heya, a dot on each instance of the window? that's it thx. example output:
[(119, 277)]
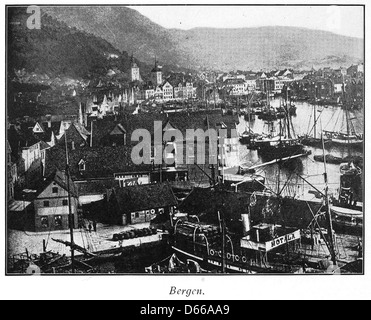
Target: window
[(55, 190), (64, 202), (44, 222), (58, 221), (137, 215), (46, 203)]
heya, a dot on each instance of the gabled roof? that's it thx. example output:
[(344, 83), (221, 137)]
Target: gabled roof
[(44, 145), (145, 197), (103, 128), (76, 133), (60, 178), (163, 84), (118, 130), (23, 138), (38, 128)]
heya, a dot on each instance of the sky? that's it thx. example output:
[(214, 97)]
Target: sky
[(344, 20)]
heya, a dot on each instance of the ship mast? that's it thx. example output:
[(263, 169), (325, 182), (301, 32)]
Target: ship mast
[(315, 122), (328, 210), (347, 118), (70, 216)]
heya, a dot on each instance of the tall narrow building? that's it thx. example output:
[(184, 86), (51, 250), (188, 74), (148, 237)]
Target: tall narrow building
[(134, 70), (156, 75)]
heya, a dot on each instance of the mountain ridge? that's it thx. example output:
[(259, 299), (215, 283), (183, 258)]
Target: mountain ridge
[(224, 49)]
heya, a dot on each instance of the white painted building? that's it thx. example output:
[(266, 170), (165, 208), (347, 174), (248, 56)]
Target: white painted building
[(168, 91)]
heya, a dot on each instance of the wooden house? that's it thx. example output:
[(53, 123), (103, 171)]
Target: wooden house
[(51, 204)]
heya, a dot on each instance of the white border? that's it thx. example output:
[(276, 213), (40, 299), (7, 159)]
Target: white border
[(130, 287)]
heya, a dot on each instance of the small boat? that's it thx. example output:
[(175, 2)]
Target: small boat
[(329, 158), (336, 160), (345, 139), (347, 221)]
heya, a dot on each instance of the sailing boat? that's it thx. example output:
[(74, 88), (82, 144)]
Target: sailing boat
[(268, 112), (281, 146), (248, 135), (312, 140), (350, 138)]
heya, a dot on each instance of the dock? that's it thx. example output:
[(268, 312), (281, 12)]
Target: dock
[(94, 242)]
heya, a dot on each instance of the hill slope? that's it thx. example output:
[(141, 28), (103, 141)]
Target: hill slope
[(245, 48), (126, 29), (268, 47), (57, 49)]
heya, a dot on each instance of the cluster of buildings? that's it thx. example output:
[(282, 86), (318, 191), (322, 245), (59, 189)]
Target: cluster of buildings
[(94, 141), (327, 85), (178, 87), (103, 183), (332, 85)]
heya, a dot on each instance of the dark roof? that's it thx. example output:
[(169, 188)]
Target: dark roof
[(97, 186), (99, 161), (145, 197), (102, 129), (250, 77), (19, 139), (44, 145), (207, 202), (181, 120), (76, 133), (234, 81)]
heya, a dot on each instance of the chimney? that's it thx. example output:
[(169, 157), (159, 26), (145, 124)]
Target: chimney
[(81, 118), (91, 135), (73, 145), (49, 120)]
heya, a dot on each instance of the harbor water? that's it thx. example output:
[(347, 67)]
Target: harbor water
[(330, 118)]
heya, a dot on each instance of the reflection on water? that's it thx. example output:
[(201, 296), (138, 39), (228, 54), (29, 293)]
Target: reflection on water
[(330, 118)]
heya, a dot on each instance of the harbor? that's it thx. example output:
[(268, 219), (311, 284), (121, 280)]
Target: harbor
[(155, 160), (301, 183)]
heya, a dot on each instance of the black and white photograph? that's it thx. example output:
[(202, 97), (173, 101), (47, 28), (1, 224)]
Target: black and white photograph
[(203, 140)]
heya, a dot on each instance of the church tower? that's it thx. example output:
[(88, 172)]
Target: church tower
[(134, 70), (156, 74)]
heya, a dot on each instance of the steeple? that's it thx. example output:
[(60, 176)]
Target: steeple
[(132, 62), (156, 67), (134, 70), (156, 74)]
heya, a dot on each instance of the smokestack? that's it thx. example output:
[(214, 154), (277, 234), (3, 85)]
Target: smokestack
[(245, 223)]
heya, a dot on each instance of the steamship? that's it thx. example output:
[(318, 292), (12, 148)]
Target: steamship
[(265, 248)]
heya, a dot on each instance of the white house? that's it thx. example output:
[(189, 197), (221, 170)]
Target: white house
[(167, 90)]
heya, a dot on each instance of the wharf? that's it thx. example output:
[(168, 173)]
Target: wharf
[(95, 242)]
